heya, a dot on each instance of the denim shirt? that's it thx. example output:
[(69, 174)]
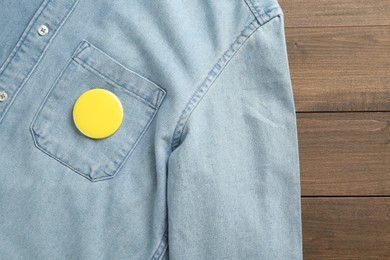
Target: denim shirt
[(205, 162)]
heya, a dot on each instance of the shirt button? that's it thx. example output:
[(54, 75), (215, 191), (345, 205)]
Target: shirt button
[(3, 95), (43, 30)]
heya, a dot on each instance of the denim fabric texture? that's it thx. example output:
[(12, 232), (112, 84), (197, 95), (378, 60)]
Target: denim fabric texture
[(205, 164)]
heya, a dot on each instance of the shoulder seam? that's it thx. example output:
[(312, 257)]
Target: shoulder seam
[(212, 75), (264, 13)]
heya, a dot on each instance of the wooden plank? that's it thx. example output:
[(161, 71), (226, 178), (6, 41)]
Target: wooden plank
[(346, 228), (344, 154), (303, 13), (340, 68)]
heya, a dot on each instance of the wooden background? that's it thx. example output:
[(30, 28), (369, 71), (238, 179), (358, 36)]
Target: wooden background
[(339, 55)]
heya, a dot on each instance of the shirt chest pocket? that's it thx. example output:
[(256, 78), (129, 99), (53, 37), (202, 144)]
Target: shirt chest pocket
[(53, 128)]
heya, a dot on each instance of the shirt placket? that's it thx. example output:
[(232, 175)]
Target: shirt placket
[(30, 48)]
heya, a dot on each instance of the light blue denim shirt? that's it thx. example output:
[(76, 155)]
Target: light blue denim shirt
[(205, 163)]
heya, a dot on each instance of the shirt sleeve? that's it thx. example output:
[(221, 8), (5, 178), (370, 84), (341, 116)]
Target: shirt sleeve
[(233, 188)]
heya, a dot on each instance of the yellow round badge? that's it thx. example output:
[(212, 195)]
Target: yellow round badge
[(98, 113)]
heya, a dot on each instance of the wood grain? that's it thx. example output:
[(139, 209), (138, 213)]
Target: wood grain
[(340, 68), (346, 228), (339, 57), (319, 13), (345, 154)]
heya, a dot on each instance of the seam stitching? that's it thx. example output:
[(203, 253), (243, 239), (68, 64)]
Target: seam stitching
[(86, 44), (210, 79), (254, 11), (162, 247), (40, 57), (23, 37), (113, 82), (263, 15)]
